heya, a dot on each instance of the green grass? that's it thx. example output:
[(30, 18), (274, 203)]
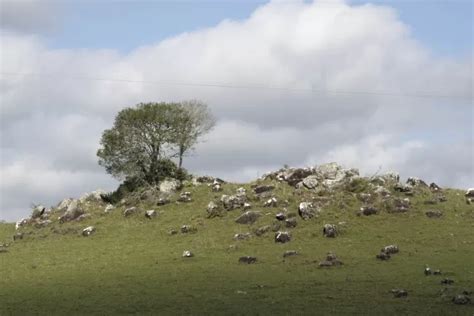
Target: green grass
[(133, 266)]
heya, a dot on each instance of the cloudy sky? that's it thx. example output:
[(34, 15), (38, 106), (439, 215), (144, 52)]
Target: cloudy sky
[(385, 85)]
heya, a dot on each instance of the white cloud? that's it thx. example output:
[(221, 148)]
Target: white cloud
[(56, 121)]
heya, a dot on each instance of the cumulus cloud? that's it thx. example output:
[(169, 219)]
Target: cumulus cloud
[(295, 83)]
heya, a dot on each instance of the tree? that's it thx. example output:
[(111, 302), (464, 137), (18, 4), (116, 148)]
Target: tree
[(143, 139), (194, 119)]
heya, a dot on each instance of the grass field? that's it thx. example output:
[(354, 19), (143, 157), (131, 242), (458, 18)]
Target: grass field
[(134, 266)]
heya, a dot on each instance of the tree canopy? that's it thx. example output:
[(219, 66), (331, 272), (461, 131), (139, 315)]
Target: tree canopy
[(144, 139)]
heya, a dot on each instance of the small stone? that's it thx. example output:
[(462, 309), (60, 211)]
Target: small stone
[(307, 210), (329, 230), (447, 281), (290, 253), (383, 256), (271, 202), (247, 259), (163, 201), (150, 214), (367, 211), (390, 249), (88, 231), (461, 299), (188, 229), (398, 293), (242, 236), (282, 237), (187, 254), (280, 216)]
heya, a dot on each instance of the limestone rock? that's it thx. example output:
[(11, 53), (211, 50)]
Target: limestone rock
[(398, 293), (310, 182), (461, 299), (249, 217), (291, 222), (109, 208)]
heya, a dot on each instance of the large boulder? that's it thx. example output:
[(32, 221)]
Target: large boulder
[(307, 210), (169, 186), (311, 182), (231, 202), (249, 217), (73, 211)]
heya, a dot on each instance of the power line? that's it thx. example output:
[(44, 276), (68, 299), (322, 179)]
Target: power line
[(250, 87)]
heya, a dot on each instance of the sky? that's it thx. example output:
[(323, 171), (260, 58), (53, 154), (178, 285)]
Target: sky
[(382, 86)]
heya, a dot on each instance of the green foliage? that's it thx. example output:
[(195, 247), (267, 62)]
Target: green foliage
[(144, 139)]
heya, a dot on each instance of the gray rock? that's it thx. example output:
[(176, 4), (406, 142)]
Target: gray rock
[(185, 197), (398, 293), (73, 211), (231, 202), (434, 213), (150, 214), (249, 217), (242, 236), (331, 260), (461, 299), (390, 249), (383, 256), (247, 259), (247, 206), (280, 216), (290, 253), (263, 188), (64, 204), (213, 210), (282, 237), (310, 182), (38, 211), (272, 202), (216, 187), (295, 175), (109, 208), (163, 201), (169, 186), (367, 211), (88, 231), (241, 191), (187, 254), (130, 211), (262, 230), (307, 210), (329, 230), (188, 229), (94, 196), (413, 181)]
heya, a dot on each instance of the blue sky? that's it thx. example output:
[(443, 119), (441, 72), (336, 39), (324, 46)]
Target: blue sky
[(443, 26)]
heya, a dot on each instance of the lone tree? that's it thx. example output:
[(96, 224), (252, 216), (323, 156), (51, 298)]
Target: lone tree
[(144, 139)]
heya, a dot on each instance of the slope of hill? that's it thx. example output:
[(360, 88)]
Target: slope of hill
[(135, 265)]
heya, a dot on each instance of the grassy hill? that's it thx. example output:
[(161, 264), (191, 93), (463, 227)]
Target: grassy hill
[(133, 265)]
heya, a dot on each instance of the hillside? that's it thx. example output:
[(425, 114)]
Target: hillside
[(131, 264)]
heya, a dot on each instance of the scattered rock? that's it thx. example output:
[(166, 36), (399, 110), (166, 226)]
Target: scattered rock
[(88, 231), (22, 222), (187, 254), (247, 206), (434, 213), (249, 217), (83, 217), (64, 204), (290, 253), (307, 210), (331, 260), (390, 249), (434, 187), (262, 230), (47, 222), (247, 259), (291, 222), (280, 216), (469, 193), (73, 211), (310, 182), (413, 181), (275, 226), (271, 202), (188, 229), (293, 176), (231, 202), (428, 271), (163, 201), (263, 188), (447, 281), (241, 191), (94, 196), (129, 211), (398, 205), (383, 256), (329, 230), (402, 188), (150, 214), (173, 232), (185, 197), (169, 186), (399, 293), (282, 237), (367, 211), (38, 211), (109, 208), (461, 299), (213, 210), (242, 236), (382, 191), (216, 187)]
